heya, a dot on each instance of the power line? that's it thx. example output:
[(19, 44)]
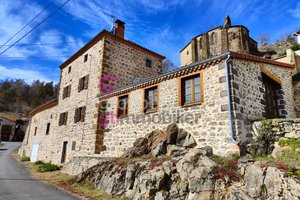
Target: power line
[(62, 5), (30, 57), (43, 44), (28, 23)]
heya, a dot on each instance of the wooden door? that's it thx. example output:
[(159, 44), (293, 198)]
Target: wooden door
[(64, 152), (271, 97)]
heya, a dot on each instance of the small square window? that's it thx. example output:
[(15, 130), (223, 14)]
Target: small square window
[(148, 63), (70, 69), (85, 57)]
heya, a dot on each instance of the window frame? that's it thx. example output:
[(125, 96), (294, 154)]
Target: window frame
[(148, 60), (79, 115), (118, 106), (150, 110), (48, 128), (85, 57), (67, 91), (63, 118), (181, 90), (83, 83), (35, 131)]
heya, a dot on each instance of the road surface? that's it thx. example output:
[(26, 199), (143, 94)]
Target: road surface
[(17, 184)]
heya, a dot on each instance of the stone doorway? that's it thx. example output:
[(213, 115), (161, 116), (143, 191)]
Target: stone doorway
[(271, 98), (64, 152)]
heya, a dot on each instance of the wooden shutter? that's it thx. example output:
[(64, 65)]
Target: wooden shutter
[(69, 90), (82, 114), (86, 81), (79, 84), (76, 115), (60, 119), (66, 118)]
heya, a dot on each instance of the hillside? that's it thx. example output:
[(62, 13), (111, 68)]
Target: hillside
[(278, 48), (17, 96)]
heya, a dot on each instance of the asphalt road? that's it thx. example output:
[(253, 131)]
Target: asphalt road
[(17, 184)]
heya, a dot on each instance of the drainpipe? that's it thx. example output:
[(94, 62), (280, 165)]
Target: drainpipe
[(229, 99)]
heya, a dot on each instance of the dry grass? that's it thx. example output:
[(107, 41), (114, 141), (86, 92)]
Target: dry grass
[(64, 181)]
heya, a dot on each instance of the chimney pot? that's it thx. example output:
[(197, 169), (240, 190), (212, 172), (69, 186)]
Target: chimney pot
[(120, 28)]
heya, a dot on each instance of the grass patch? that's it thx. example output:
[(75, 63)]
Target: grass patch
[(46, 167), (1, 144), (89, 190), (292, 142), (64, 181), (25, 159)]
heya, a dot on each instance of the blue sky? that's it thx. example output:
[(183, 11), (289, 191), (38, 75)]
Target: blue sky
[(163, 26)]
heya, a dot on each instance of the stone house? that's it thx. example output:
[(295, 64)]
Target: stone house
[(12, 126), (216, 96)]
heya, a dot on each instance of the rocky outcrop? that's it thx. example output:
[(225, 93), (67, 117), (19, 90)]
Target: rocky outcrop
[(157, 142), (166, 165), (192, 176)]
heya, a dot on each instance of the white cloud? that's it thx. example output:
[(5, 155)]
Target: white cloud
[(296, 11), (17, 73)]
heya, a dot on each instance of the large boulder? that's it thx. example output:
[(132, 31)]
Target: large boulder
[(185, 139), (140, 148), (155, 138)]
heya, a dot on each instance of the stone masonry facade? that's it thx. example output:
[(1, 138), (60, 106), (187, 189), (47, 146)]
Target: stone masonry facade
[(216, 41), (208, 122), (108, 54), (130, 69)]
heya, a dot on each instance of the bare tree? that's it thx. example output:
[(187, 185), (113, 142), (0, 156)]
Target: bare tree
[(263, 39), (168, 66)]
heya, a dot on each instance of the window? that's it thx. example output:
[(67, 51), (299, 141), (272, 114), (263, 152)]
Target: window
[(151, 99), (85, 58), (63, 117), (79, 114), (35, 130), (48, 129), (148, 63), (70, 69), (191, 90), (66, 91), (122, 106), (83, 83)]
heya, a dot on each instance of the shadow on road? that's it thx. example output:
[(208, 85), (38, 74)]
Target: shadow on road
[(3, 149)]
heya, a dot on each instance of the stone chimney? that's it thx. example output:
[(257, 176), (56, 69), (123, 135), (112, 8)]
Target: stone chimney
[(120, 28)]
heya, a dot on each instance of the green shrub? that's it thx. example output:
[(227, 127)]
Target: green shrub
[(39, 162), (292, 142), (1, 144), (295, 47), (25, 159), (47, 167)]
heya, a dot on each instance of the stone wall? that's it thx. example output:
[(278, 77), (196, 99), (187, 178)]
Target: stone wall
[(248, 94), (217, 41), (297, 97), (208, 122), (107, 56)]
